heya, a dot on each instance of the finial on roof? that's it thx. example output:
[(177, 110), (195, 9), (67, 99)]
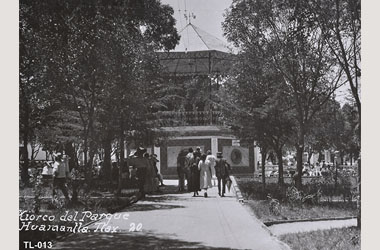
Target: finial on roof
[(189, 16)]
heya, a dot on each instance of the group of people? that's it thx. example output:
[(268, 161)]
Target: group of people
[(144, 169), (197, 168), (200, 169)]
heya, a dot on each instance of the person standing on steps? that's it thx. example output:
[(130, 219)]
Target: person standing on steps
[(204, 167), (222, 169)]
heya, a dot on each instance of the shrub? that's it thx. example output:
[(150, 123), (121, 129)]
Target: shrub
[(254, 190), (345, 187), (274, 206), (293, 196), (36, 181), (296, 197)]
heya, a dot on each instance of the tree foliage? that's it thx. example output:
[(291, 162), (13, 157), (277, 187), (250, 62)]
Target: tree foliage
[(285, 32), (257, 107), (91, 67)]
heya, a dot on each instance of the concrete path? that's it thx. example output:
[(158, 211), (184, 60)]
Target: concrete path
[(297, 227), (179, 221)]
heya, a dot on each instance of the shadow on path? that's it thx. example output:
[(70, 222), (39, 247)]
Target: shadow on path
[(127, 240), (148, 207)]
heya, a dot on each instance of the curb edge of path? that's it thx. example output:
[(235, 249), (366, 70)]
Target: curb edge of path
[(240, 198), (272, 223), (236, 188)]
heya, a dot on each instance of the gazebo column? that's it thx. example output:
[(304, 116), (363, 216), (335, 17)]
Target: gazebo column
[(214, 145)]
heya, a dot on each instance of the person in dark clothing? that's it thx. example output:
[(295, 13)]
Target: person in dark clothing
[(195, 173), (140, 163), (198, 153), (189, 159), (181, 161), (222, 169)]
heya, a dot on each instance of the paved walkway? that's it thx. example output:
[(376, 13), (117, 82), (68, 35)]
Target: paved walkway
[(179, 221)]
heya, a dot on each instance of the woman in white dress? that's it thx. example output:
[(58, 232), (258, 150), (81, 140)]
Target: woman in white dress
[(205, 174), (212, 159)]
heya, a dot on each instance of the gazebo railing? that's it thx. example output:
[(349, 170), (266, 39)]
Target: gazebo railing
[(189, 118)]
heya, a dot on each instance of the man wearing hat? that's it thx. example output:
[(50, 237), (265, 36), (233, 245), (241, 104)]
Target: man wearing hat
[(60, 172), (141, 164), (222, 173)]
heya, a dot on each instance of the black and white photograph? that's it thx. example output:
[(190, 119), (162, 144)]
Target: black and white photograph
[(189, 124)]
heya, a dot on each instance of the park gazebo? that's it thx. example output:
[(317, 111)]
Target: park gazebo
[(199, 55)]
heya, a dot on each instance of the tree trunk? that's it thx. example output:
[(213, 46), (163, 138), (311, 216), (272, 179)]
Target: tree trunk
[(85, 160), (121, 142), (24, 127), (298, 178), (263, 157), (350, 159), (336, 177), (107, 159), (70, 151), (25, 156), (280, 167), (91, 162)]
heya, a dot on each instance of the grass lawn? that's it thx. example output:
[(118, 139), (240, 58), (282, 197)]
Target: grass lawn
[(251, 189), (261, 210), (337, 239)]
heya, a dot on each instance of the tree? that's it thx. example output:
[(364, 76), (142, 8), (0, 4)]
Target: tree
[(340, 21), (285, 31), (98, 59), (326, 129), (351, 132), (257, 108), (36, 97)]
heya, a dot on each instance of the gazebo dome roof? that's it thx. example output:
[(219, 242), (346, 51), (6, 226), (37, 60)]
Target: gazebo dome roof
[(198, 53), (195, 39)]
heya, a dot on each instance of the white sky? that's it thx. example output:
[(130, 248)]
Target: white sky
[(209, 14)]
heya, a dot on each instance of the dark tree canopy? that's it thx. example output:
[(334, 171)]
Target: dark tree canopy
[(89, 67)]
